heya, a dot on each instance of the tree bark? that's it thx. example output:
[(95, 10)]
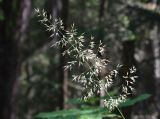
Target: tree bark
[(21, 36), (9, 58), (128, 62), (24, 19), (101, 37), (64, 73), (155, 37), (59, 9), (12, 33)]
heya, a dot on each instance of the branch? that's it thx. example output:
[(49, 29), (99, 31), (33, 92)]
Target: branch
[(149, 8)]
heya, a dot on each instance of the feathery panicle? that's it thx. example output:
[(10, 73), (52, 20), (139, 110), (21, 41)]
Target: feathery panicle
[(87, 58)]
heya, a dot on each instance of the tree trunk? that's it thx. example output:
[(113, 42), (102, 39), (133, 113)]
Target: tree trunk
[(59, 9), (12, 35), (101, 37), (155, 37), (21, 35), (64, 73), (128, 62), (101, 9), (24, 19), (9, 63)]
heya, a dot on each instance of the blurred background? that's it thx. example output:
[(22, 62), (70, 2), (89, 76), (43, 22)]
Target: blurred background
[(32, 79)]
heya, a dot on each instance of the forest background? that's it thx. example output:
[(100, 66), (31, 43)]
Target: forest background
[(32, 78)]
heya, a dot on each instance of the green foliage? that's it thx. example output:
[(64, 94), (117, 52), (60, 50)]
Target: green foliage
[(130, 102), (89, 113), (72, 114)]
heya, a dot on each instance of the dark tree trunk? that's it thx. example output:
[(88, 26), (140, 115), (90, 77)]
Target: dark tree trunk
[(101, 37), (64, 73), (100, 20), (155, 37), (21, 35), (128, 53), (8, 58), (59, 9), (101, 8), (12, 34), (128, 61), (24, 19)]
